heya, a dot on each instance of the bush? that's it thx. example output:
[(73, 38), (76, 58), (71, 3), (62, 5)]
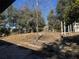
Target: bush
[(4, 31)]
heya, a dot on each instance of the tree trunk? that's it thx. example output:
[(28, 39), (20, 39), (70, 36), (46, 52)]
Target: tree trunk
[(61, 28), (64, 28), (73, 27), (68, 28)]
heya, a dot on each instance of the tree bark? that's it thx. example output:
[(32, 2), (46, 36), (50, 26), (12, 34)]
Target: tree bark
[(61, 28), (64, 28), (68, 28)]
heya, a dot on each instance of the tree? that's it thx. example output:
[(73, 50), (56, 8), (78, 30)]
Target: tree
[(10, 16), (32, 24), (60, 10), (41, 22), (24, 15), (28, 20), (64, 8), (2, 17), (53, 22), (72, 12), (12, 13)]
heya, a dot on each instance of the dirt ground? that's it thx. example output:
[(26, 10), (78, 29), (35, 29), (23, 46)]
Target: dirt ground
[(30, 39)]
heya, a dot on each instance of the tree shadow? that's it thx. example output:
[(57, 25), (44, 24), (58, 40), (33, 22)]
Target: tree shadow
[(53, 50), (71, 39), (12, 51)]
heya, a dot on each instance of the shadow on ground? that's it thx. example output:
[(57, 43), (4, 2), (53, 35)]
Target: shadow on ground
[(12, 51), (49, 51)]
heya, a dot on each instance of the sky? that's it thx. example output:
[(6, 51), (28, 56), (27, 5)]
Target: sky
[(44, 5)]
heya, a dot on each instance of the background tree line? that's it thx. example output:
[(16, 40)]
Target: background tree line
[(67, 12), (24, 19), (27, 19)]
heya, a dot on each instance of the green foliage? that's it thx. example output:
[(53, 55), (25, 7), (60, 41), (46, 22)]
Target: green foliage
[(39, 20), (68, 10), (2, 17), (28, 19), (11, 14), (72, 13), (60, 8), (53, 22), (23, 17)]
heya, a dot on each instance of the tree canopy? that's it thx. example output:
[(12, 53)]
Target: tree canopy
[(68, 10)]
